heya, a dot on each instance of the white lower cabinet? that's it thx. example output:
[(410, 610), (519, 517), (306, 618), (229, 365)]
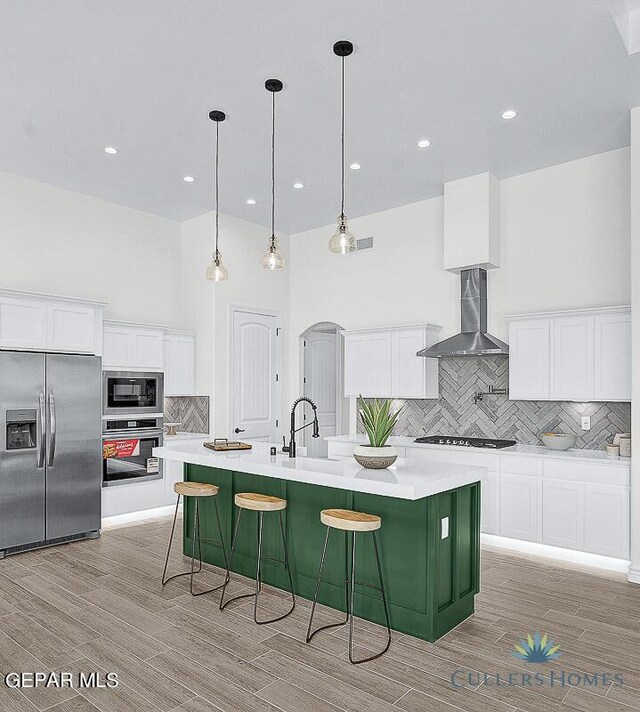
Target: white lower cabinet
[(574, 503), (563, 514), (520, 506), (173, 472), (490, 503), (606, 520)]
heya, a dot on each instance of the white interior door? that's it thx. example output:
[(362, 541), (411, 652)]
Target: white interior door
[(321, 374), (254, 376)]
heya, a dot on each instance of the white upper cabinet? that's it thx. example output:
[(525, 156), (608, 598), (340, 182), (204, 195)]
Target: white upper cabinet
[(367, 358), (382, 362), (135, 347), (179, 363), (572, 359), (47, 323), (613, 356), (529, 360), (582, 355)]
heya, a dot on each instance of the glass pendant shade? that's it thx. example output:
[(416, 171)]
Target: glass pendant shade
[(273, 258), (342, 241), (216, 271)]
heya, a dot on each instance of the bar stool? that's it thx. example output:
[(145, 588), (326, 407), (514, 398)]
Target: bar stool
[(195, 490), (259, 503), (354, 522)]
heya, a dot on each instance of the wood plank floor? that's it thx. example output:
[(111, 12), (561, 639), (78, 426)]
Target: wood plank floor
[(97, 606)]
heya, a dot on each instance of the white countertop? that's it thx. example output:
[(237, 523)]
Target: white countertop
[(575, 454), (406, 479)]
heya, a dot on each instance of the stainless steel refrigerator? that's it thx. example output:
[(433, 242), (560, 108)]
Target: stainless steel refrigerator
[(50, 449)]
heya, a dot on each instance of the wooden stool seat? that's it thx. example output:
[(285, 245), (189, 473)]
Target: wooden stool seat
[(195, 489), (350, 521), (259, 502)]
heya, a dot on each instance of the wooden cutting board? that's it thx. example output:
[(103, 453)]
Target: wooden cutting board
[(224, 445)]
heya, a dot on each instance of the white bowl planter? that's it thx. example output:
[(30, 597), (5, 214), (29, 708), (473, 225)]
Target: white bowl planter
[(375, 458)]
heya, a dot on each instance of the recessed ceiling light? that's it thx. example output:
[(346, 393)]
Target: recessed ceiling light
[(251, 201), (189, 179), (355, 166), (111, 150), (298, 186), (424, 143), (509, 114)]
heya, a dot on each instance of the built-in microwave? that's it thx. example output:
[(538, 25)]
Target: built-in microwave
[(131, 393)]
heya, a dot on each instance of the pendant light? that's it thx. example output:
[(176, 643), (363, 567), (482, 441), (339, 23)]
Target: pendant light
[(342, 241), (273, 259), (216, 271)]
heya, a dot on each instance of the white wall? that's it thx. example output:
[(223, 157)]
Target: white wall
[(564, 244), (60, 242), (205, 305)]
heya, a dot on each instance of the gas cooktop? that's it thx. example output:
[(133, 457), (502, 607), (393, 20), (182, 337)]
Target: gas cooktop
[(465, 442)]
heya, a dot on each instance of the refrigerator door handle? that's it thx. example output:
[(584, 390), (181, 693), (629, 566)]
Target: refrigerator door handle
[(52, 429), (40, 426)]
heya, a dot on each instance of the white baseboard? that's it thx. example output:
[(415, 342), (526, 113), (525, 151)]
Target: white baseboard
[(120, 520), (633, 575), (555, 552)]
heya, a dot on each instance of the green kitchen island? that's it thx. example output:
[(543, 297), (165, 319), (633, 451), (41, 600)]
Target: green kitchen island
[(429, 540)]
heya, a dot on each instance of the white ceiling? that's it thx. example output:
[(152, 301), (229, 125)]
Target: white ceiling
[(142, 75)]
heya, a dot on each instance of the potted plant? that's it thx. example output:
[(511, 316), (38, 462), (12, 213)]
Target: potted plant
[(378, 421)]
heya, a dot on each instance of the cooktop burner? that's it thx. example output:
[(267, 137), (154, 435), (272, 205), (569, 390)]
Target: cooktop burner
[(465, 442)]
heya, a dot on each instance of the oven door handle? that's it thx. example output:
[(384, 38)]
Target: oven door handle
[(131, 434)]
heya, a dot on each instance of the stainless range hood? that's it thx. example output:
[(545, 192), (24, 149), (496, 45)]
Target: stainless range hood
[(473, 339)]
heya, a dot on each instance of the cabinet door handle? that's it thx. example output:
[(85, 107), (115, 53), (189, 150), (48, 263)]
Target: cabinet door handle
[(238, 430)]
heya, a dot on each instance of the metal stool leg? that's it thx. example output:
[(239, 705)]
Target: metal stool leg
[(384, 601), (166, 580), (223, 603), (196, 526), (311, 633), (258, 586), (197, 539)]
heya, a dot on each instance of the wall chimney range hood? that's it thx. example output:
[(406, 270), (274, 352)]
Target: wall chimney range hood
[(473, 339)]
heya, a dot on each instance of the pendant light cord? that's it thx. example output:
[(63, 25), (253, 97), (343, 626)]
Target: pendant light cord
[(216, 182), (273, 168), (342, 144)]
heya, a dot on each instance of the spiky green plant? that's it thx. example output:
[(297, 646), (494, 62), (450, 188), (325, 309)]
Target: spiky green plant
[(378, 420)]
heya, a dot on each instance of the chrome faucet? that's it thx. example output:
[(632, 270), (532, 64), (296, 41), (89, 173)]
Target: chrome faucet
[(291, 448)]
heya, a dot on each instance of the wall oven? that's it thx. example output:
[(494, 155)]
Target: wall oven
[(127, 446), (130, 392)]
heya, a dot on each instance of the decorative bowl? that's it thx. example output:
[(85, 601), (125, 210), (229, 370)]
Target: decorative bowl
[(558, 441), (375, 458)]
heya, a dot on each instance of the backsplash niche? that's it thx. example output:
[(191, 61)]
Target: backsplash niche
[(191, 411)]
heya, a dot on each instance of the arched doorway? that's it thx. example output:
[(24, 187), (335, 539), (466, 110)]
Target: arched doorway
[(321, 350)]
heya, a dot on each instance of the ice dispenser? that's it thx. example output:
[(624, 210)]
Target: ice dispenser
[(21, 429)]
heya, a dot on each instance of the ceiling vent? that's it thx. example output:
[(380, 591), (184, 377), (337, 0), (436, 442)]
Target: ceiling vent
[(364, 243)]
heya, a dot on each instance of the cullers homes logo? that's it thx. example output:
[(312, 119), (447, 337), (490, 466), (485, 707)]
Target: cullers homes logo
[(536, 648)]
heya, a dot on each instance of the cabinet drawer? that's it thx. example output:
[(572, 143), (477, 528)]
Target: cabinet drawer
[(520, 465), (586, 472), (474, 459)]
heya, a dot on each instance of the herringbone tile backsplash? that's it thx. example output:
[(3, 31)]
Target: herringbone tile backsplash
[(191, 411), (498, 417)]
